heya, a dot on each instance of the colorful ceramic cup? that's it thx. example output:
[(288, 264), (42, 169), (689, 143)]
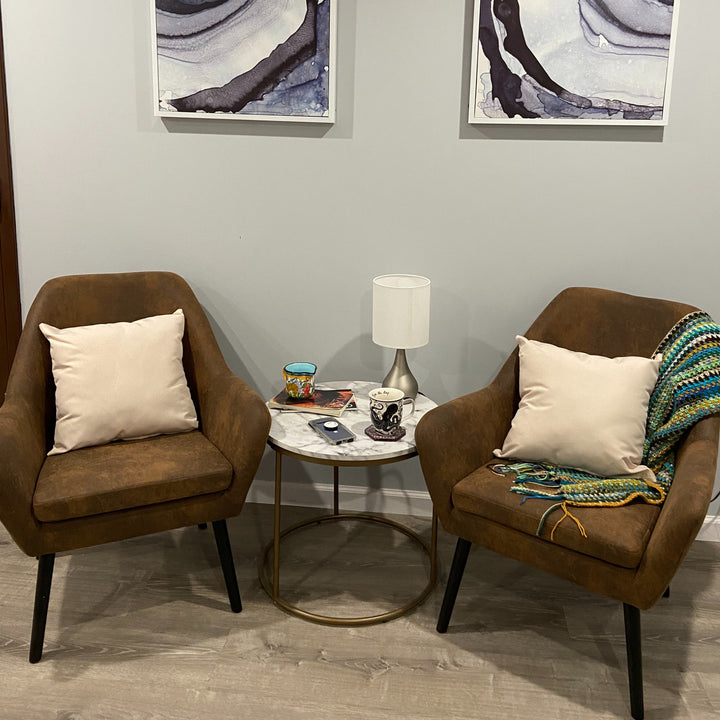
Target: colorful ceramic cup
[(300, 379)]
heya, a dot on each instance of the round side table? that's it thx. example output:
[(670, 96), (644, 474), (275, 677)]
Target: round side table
[(291, 436)]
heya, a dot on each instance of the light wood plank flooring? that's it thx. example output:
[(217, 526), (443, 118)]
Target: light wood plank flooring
[(141, 630)]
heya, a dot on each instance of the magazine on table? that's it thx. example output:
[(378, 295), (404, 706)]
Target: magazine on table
[(321, 402)]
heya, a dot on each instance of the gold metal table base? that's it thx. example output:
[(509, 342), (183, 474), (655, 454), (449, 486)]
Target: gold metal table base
[(272, 588), (348, 621)]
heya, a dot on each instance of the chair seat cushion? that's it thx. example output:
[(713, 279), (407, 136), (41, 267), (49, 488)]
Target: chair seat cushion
[(616, 535), (129, 474)]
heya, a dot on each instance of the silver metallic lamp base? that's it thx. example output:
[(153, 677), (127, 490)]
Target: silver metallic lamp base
[(400, 376)]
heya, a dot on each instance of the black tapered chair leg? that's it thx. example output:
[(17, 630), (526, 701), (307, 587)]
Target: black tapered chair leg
[(462, 549), (42, 600), (222, 540), (634, 660)]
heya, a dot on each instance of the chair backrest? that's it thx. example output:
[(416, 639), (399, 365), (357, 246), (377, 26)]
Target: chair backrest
[(597, 322), (105, 298), (605, 322)]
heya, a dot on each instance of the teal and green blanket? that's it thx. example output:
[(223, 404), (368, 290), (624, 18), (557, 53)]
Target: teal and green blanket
[(687, 390)]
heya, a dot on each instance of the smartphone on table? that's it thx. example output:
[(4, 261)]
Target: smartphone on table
[(332, 430)]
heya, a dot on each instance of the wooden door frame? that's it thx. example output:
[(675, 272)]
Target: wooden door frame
[(9, 277)]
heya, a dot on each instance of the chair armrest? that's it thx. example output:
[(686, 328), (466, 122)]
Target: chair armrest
[(459, 436), (236, 420), (22, 453), (683, 511)]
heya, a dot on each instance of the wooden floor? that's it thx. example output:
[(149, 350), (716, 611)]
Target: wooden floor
[(142, 630)]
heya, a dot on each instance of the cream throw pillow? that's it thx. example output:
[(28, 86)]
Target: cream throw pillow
[(119, 380), (581, 411)]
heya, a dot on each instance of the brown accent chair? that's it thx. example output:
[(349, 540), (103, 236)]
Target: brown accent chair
[(124, 489), (631, 552)]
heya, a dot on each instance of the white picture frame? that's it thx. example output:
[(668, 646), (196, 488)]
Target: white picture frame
[(572, 62), (270, 60)]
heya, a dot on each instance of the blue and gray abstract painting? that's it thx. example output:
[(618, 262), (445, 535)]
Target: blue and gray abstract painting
[(244, 57), (584, 60)]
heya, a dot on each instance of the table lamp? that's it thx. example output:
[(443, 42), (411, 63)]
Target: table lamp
[(401, 320)]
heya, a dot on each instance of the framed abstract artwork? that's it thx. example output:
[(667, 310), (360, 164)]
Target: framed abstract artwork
[(580, 62), (245, 59)]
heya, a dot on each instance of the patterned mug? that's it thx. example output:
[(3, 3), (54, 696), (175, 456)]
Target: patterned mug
[(299, 379), (386, 408)]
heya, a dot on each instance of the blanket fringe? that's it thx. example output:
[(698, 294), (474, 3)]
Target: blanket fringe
[(568, 514)]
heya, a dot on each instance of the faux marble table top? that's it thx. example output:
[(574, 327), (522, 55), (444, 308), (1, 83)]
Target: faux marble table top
[(290, 430)]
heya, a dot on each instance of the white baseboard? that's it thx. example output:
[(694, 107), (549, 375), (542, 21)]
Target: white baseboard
[(385, 501), (710, 531)]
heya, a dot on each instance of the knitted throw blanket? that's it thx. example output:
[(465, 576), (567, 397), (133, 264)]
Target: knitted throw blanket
[(687, 390)]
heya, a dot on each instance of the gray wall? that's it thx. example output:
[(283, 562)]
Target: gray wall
[(280, 228)]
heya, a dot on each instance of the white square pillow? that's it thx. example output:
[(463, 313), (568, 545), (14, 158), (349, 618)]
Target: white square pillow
[(581, 411), (119, 380)]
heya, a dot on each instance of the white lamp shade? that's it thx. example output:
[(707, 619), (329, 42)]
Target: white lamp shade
[(401, 311)]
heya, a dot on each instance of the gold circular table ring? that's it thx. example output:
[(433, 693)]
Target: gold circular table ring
[(344, 621)]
